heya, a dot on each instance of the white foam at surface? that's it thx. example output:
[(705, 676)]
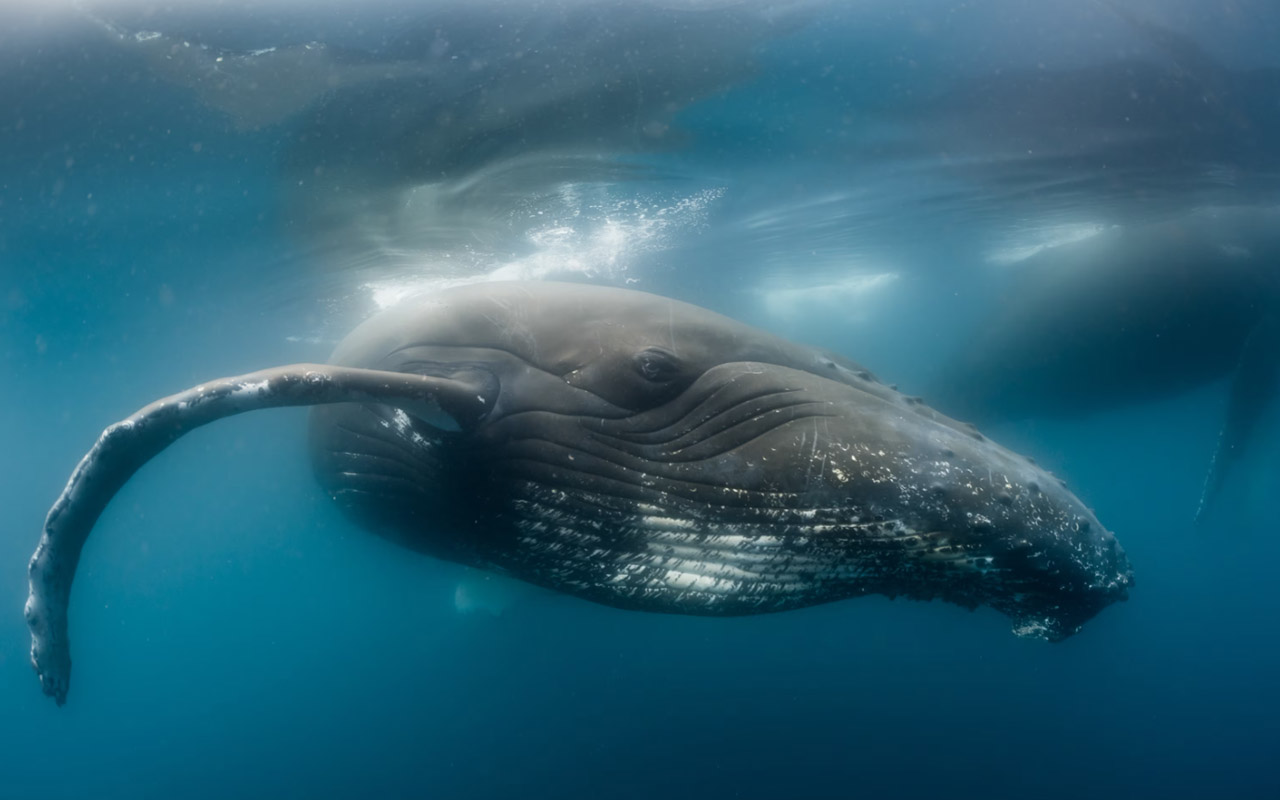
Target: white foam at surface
[(588, 240)]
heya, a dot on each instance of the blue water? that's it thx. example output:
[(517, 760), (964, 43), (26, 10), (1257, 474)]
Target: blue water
[(843, 174)]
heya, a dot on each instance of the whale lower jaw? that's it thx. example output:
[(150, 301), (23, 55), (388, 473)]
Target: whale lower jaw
[(735, 560)]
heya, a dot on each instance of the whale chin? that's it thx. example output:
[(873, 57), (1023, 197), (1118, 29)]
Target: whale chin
[(1058, 618)]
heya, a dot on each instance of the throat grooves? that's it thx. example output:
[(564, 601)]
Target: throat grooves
[(686, 558)]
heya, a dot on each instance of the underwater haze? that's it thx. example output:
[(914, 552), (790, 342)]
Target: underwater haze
[(193, 190)]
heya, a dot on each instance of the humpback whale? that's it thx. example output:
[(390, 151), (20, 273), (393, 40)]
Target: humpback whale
[(1130, 315), (638, 452)]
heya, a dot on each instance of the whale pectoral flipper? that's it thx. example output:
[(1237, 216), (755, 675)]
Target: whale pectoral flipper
[(124, 447), (1253, 388)]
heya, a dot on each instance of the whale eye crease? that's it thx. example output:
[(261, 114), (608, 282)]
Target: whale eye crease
[(657, 365)]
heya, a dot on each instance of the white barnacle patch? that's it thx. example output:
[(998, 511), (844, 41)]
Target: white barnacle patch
[(252, 387), (247, 393), (1031, 629)]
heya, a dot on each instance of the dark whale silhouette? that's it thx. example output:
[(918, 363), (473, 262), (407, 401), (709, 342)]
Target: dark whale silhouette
[(639, 452), (1128, 316)]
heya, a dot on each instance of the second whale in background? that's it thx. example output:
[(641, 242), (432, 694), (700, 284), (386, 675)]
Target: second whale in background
[(1131, 315)]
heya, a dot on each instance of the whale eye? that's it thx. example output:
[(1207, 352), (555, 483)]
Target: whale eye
[(657, 365)]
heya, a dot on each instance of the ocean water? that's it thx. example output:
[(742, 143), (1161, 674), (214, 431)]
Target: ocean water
[(196, 190)]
